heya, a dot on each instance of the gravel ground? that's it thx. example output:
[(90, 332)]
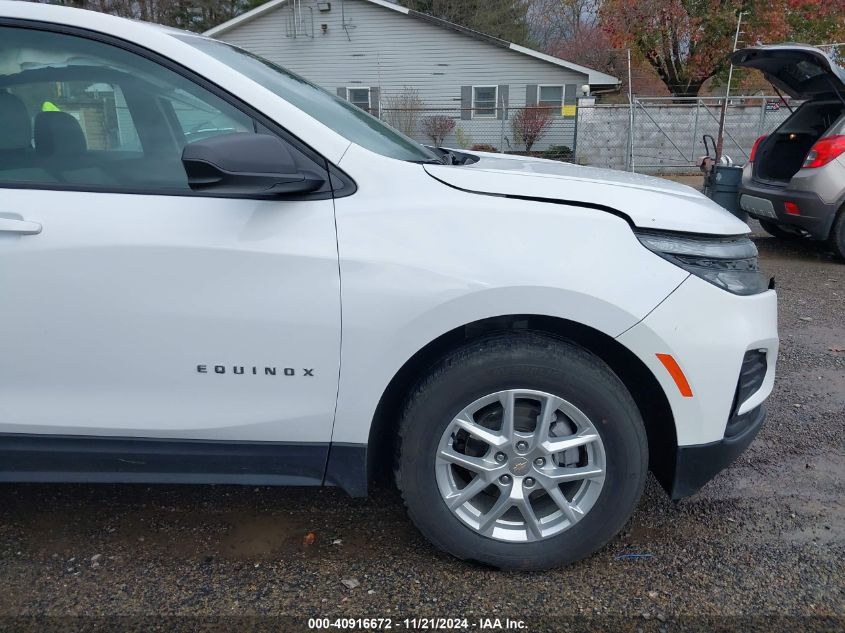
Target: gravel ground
[(762, 547)]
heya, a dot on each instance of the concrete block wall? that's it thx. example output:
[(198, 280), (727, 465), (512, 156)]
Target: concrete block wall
[(668, 137)]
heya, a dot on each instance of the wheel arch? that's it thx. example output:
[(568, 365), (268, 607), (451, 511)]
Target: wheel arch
[(837, 221), (637, 377)]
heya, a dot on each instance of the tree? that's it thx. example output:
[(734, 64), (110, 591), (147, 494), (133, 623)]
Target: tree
[(813, 21), (505, 19), (591, 47), (571, 30), (688, 41), (194, 15), (554, 21), (530, 125), (436, 127)]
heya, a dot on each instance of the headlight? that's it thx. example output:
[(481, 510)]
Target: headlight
[(728, 262)]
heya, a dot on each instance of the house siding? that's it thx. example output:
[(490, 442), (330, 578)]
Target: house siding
[(390, 50)]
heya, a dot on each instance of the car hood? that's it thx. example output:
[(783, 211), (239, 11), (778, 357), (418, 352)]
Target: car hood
[(801, 71), (648, 202)]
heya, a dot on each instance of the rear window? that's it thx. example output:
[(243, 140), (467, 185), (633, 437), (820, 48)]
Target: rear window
[(802, 71)]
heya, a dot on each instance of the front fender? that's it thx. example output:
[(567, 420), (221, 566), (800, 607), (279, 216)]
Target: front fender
[(419, 258)]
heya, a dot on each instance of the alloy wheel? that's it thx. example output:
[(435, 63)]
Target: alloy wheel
[(520, 465)]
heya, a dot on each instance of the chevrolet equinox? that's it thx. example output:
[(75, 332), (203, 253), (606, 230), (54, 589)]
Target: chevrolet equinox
[(213, 271)]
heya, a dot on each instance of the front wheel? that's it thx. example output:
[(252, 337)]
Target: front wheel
[(521, 451)]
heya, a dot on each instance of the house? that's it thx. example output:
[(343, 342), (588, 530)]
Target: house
[(405, 67)]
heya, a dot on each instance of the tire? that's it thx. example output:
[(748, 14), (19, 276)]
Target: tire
[(836, 240), (585, 394), (776, 230)]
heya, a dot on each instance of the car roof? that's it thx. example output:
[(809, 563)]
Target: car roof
[(91, 20)]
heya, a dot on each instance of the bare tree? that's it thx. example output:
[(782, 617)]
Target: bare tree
[(436, 127), (505, 19), (195, 15), (530, 125), (402, 110), (552, 21)]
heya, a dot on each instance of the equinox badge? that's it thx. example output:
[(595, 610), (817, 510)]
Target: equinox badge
[(242, 370)]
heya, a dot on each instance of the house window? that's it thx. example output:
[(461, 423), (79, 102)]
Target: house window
[(484, 101), (551, 97), (360, 97)]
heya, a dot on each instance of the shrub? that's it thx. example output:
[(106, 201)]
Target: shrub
[(483, 147), (558, 152), (462, 138), (402, 110), (530, 125), (436, 127)]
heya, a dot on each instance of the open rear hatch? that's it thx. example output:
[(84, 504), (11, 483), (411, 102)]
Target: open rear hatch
[(801, 71), (804, 73)]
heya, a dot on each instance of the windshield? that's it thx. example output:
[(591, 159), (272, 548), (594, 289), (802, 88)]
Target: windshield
[(341, 116)]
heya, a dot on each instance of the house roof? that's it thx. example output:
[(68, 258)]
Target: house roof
[(595, 78)]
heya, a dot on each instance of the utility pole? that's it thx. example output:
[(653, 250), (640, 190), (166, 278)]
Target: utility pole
[(630, 116), (721, 138)]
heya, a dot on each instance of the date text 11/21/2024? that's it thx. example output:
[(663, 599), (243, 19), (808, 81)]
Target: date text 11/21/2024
[(418, 624)]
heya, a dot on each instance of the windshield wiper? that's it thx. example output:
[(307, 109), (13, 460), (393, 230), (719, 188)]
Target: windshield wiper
[(455, 158)]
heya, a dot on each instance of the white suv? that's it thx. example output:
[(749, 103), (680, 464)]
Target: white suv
[(212, 271)]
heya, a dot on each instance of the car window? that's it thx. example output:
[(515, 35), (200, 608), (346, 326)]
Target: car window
[(198, 119), (83, 113), (98, 107), (340, 115)]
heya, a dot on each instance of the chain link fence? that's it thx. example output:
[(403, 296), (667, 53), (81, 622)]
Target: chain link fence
[(666, 135), (657, 135), (536, 131)]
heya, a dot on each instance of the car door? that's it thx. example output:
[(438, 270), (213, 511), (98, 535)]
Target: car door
[(134, 307)]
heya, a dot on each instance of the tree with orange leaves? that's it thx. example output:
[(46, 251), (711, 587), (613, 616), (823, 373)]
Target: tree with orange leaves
[(688, 41)]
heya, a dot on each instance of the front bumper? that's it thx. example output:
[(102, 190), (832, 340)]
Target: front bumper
[(696, 465), (718, 340), (816, 216)]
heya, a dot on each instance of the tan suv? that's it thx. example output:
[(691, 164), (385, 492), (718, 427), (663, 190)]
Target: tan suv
[(794, 182)]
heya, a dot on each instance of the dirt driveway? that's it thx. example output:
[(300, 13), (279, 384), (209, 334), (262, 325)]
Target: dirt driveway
[(762, 547)]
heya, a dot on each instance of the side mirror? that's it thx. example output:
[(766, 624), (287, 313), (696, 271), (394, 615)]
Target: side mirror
[(246, 164)]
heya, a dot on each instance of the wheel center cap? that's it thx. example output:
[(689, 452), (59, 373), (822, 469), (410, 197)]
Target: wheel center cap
[(520, 466)]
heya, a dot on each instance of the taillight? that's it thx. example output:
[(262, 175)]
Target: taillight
[(754, 148), (824, 151)]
